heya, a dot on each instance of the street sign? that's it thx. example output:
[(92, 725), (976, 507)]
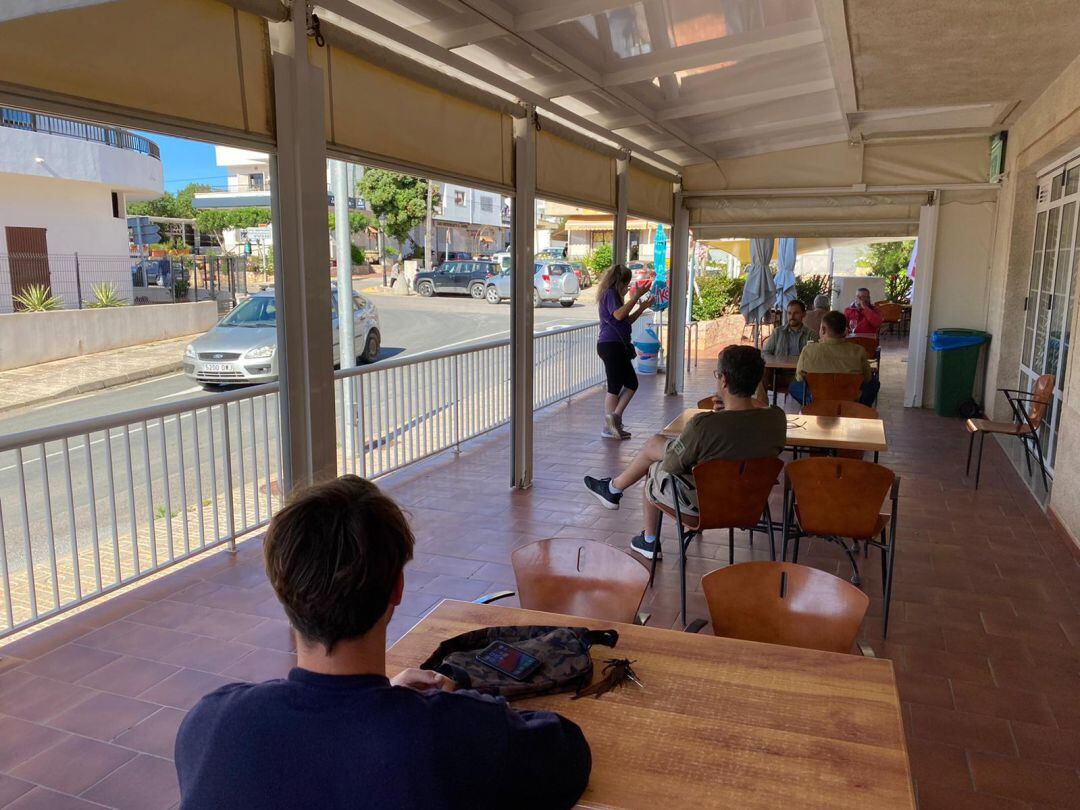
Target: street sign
[(143, 231)]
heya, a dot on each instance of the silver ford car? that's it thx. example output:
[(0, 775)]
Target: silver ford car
[(242, 348)]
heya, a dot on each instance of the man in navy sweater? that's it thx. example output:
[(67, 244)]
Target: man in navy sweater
[(337, 733)]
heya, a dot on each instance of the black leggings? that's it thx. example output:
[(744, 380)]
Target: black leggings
[(618, 365)]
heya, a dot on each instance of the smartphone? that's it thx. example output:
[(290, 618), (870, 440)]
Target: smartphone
[(510, 661)]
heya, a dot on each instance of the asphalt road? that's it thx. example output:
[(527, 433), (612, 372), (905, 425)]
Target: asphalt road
[(141, 455)]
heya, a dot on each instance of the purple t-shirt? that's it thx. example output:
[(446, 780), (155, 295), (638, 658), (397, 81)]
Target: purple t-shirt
[(612, 330)]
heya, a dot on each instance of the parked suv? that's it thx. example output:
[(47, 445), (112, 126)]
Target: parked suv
[(242, 348), (552, 281), (460, 278)]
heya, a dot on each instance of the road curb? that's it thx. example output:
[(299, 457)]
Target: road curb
[(96, 385)]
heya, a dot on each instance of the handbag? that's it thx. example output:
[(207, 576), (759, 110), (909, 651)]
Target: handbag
[(563, 652)]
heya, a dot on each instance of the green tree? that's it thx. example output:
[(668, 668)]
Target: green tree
[(179, 205), (601, 259), (215, 221), (357, 222), (401, 198), (890, 260)]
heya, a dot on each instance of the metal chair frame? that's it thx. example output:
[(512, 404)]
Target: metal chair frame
[(1017, 399), (886, 543)]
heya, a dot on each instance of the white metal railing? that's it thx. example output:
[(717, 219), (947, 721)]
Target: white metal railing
[(396, 412), (90, 506)]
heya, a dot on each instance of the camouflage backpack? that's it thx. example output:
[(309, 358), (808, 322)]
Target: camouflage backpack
[(565, 664)]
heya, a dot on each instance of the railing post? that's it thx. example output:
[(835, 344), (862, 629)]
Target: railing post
[(230, 518), (78, 281), (455, 393)]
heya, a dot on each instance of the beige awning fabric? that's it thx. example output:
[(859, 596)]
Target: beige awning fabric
[(569, 169), (957, 160), (127, 60), (381, 115), (650, 193), (632, 224)]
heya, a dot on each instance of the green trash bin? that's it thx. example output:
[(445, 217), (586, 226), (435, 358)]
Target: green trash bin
[(958, 361)]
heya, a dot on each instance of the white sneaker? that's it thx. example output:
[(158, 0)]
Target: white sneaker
[(611, 428)]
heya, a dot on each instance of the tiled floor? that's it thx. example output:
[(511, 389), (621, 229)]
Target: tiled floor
[(985, 633)]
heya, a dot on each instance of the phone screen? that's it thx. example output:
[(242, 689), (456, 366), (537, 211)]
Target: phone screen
[(508, 660)]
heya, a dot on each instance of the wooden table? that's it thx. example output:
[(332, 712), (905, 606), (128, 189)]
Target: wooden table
[(779, 362), (821, 432), (721, 723)]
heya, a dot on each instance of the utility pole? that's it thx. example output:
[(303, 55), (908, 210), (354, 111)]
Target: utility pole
[(428, 237), (343, 247)]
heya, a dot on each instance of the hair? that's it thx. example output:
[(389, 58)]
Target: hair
[(821, 302), (864, 289), (798, 303), (614, 277), (835, 323), (334, 555), (742, 367)]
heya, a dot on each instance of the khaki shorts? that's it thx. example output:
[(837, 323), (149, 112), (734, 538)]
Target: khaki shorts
[(660, 488)]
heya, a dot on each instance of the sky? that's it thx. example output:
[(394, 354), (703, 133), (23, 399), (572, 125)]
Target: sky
[(186, 162)]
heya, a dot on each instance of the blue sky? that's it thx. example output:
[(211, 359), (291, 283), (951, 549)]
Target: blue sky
[(187, 162)]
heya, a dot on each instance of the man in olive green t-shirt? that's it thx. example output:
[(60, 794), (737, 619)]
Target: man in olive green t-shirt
[(740, 431), (834, 354)]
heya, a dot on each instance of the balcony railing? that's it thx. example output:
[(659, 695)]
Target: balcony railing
[(89, 507), (70, 128)]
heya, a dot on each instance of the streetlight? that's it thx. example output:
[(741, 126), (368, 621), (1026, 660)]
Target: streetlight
[(382, 249)]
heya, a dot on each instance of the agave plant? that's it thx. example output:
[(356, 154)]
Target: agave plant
[(37, 298), (105, 295)]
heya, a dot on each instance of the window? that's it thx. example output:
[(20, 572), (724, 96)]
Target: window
[(459, 198), (487, 204), (116, 206), (255, 181)]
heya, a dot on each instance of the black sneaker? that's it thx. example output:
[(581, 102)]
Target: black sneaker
[(599, 487), (648, 550)]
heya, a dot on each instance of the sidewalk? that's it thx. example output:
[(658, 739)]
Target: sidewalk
[(33, 385)]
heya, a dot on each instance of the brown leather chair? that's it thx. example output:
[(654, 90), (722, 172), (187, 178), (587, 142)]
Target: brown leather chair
[(731, 495), (850, 410), (838, 498), (578, 578), (1029, 413), (834, 386), (784, 603)]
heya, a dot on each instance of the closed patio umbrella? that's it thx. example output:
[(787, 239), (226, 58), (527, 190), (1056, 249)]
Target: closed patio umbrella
[(759, 293), (785, 275)]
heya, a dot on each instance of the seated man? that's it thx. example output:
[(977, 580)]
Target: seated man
[(740, 431), (787, 340), (834, 355), (863, 317), (812, 321), (336, 733)]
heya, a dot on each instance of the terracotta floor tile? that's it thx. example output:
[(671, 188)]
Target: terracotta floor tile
[(261, 665), (74, 765), (103, 716), (70, 662), (44, 799), (183, 689), (1026, 780), (969, 731), (1047, 744), (144, 783), (939, 797), (155, 735), (208, 654), (128, 676), (38, 699), (20, 740), (939, 764), (1011, 704), (12, 788), (928, 690), (271, 635)]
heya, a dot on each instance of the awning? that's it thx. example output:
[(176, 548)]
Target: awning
[(650, 194), (607, 225), (571, 168)]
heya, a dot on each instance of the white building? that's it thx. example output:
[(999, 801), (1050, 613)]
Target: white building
[(64, 188), (468, 219)]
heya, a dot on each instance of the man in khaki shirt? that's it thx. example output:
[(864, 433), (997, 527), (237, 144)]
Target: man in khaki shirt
[(740, 431), (832, 354)]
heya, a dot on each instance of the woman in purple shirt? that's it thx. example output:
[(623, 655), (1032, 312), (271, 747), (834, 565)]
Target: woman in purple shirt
[(614, 346)]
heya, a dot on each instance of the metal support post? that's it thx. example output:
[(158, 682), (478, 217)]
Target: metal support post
[(301, 256), (622, 198), (521, 306), (679, 288), (78, 281)]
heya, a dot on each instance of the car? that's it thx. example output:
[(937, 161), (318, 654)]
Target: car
[(460, 278), (505, 260), (242, 348), (552, 281), (641, 275), (584, 277)]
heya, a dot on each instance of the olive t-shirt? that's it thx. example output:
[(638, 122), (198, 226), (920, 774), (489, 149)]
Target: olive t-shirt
[(729, 435)]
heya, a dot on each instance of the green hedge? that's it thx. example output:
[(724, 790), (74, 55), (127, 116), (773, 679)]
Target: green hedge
[(716, 296)]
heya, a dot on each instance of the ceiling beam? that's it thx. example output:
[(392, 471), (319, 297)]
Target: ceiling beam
[(382, 27), (833, 21), (730, 133), (734, 48), (549, 14)]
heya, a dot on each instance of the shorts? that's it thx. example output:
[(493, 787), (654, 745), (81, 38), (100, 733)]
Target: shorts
[(618, 366), (660, 488)]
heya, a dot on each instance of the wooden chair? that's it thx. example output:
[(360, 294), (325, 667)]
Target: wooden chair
[(871, 347), (850, 410), (838, 498), (1025, 424), (578, 578), (890, 314), (834, 386), (731, 495), (784, 603)]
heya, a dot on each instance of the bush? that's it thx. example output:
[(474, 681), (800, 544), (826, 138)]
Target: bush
[(357, 254), (37, 298), (600, 260), (716, 296), (807, 288), (105, 296)]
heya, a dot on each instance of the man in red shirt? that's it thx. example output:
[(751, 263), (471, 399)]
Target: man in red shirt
[(863, 317)]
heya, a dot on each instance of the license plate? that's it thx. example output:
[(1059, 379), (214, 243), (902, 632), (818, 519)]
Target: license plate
[(217, 367)]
